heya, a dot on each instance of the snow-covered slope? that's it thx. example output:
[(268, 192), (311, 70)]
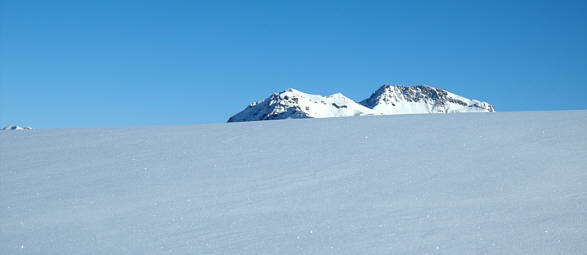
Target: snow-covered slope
[(391, 99), (294, 104), (502, 183)]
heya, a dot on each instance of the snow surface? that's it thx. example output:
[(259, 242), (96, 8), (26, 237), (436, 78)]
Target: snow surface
[(387, 100), (486, 183)]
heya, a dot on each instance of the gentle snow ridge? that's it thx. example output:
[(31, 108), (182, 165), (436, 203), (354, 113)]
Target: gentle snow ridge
[(502, 183), (387, 100)]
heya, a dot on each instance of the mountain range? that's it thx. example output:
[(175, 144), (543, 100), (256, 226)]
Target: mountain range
[(16, 128), (387, 100)]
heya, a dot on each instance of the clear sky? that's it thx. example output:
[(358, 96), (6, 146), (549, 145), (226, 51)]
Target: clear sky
[(126, 63)]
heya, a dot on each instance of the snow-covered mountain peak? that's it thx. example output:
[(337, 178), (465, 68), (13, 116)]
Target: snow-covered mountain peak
[(292, 90), (341, 97), (16, 128), (294, 104), (388, 99), (396, 99), (337, 95)]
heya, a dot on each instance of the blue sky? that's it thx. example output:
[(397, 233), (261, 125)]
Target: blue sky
[(126, 63)]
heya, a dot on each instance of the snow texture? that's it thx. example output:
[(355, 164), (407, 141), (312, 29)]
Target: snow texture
[(485, 183), (387, 100)]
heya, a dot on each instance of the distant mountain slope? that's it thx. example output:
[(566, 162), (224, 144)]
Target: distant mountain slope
[(391, 99), (503, 183), (294, 104), (16, 128)]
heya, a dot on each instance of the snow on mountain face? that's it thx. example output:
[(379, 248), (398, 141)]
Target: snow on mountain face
[(16, 128), (294, 104), (421, 99)]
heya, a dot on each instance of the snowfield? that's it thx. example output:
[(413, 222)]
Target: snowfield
[(471, 183)]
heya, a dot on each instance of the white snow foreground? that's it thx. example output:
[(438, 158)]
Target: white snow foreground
[(503, 183), (387, 100)]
